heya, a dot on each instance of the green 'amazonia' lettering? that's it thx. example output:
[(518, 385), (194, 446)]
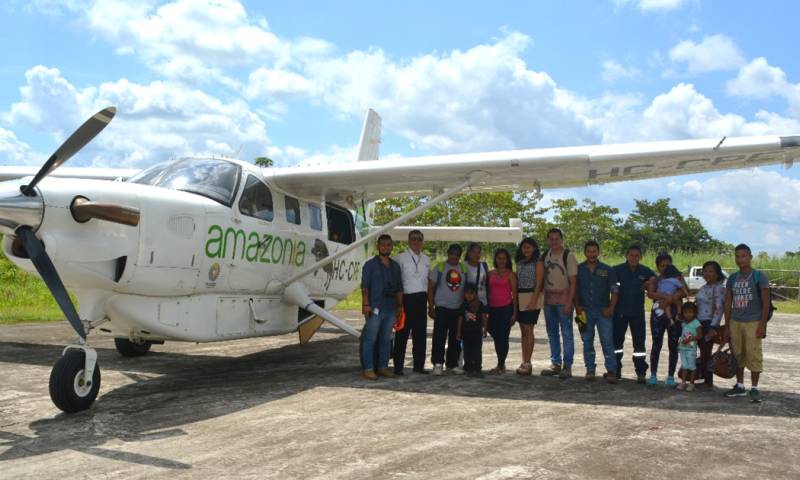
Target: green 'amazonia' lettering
[(231, 243)]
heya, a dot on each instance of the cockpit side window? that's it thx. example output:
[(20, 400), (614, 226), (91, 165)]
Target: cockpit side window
[(292, 210), (256, 200)]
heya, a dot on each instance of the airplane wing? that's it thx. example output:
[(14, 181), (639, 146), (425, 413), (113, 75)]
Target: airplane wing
[(90, 173), (533, 169)]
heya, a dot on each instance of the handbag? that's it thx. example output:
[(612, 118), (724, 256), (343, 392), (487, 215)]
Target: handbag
[(723, 363), (525, 298)]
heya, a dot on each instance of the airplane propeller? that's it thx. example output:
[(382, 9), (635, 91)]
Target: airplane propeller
[(82, 136), (23, 217), (47, 270)]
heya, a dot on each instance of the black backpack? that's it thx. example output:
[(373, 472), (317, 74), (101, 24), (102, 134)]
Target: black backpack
[(564, 256)]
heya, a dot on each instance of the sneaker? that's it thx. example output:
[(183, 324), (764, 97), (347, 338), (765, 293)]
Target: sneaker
[(755, 395), (736, 391), (386, 372), (438, 369), (681, 387), (653, 380), (590, 376), (566, 373), (690, 387), (552, 371), (421, 371), (640, 379), (399, 372), (610, 377), (369, 375), (456, 370), (670, 382), (475, 374)]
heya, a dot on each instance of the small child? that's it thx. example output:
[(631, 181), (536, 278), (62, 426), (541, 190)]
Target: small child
[(668, 283), (472, 325), (687, 346)]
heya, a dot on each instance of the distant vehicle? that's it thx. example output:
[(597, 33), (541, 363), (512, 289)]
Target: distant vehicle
[(695, 280)]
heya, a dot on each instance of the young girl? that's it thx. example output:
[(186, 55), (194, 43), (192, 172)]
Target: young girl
[(687, 347), (472, 324), (530, 276), (502, 306)]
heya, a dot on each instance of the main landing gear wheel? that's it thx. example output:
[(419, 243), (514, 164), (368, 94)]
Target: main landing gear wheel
[(68, 389), (127, 348)]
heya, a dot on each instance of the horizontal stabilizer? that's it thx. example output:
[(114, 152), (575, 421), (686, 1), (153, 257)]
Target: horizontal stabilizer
[(510, 234)]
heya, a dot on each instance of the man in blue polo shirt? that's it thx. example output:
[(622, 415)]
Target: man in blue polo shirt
[(634, 280), (597, 298)]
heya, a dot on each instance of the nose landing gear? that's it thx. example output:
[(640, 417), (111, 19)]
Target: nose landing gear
[(75, 379)]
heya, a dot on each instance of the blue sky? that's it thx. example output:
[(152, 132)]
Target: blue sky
[(292, 80)]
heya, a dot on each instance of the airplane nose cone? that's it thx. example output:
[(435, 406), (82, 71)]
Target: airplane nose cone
[(17, 209)]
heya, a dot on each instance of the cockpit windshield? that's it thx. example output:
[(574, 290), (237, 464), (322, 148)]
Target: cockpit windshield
[(212, 178)]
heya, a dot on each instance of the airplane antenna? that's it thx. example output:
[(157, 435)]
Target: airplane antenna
[(720, 143)]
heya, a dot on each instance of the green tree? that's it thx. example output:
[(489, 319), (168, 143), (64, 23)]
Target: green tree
[(658, 226), (264, 162), (588, 221)]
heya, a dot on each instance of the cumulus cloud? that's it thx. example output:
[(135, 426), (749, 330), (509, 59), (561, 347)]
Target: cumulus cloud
[(715, 52), (613, 71), (758, 79), (483, 98), (13, 151), (651, 6), (155, 120)]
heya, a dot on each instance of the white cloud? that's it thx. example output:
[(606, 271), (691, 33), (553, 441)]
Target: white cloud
[(715, 52), (758, 79), (613, 71), (650, 6), (483, 98), (13, 151), (154, 122)]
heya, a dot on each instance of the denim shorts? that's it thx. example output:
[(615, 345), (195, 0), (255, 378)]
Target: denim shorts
[(688, 359)]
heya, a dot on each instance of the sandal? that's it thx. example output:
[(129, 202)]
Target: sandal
[(525, 369), (497, 371)]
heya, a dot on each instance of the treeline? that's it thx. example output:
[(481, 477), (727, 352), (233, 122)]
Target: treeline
[(655, 226)]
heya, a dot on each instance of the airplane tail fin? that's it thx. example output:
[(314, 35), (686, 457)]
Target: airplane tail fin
[(370, 142)]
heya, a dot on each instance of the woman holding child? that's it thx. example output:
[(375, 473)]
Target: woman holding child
[(502, 306), (530, 277), (666, 292)]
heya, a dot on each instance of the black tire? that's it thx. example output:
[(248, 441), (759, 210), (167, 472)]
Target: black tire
[(64, 383), (126, 348)]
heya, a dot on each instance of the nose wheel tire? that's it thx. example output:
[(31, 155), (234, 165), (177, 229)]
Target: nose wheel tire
[(126, 348), (69, 391)]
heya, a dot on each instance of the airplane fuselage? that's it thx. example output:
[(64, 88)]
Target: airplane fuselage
[(194, 268)]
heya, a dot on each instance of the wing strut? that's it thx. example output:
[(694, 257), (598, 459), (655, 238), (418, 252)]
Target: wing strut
[(472, 179)]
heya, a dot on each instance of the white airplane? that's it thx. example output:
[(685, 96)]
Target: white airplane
[(210, 249)]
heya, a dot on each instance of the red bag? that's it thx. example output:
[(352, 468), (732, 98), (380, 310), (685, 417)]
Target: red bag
[(401, 321)]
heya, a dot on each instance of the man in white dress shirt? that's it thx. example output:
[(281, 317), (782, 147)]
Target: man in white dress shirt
[(414, 265)]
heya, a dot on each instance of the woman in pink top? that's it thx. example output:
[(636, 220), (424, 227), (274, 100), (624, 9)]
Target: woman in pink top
[(502, 306)]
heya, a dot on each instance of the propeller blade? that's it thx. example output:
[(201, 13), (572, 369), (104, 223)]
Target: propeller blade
[(84, 210), (83, 135), (47, 270)]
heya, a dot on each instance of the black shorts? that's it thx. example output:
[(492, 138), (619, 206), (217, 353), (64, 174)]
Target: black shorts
[(528, 317)]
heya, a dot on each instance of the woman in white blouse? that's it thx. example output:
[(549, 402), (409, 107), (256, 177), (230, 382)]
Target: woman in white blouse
[(710, 299)]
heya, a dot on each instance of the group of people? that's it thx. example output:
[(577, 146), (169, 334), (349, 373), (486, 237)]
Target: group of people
[(468, 300)]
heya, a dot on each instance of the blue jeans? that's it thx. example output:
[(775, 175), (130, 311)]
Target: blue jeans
[(555, 321), (605, 329), (377, 330)]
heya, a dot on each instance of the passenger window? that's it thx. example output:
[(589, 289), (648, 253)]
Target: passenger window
[(292, 210), (316, 216), (256, 200)]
